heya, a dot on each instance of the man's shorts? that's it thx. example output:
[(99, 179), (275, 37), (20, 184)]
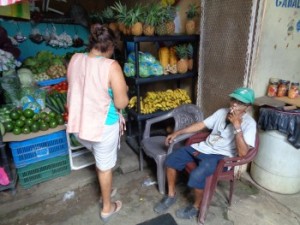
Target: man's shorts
[(207, 164)]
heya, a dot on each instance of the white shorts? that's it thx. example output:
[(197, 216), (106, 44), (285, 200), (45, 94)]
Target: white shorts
[(105, 151)]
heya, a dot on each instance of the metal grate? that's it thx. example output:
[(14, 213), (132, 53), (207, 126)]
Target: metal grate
[(224, 51)]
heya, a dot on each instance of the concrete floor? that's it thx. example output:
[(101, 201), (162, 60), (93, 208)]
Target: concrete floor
[(74, 200)]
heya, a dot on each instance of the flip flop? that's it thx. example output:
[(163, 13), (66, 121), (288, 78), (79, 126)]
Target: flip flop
[(112, 194), (106, 216)]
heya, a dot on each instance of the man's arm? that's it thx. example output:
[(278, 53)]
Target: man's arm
[(241, 145), (190, 129)]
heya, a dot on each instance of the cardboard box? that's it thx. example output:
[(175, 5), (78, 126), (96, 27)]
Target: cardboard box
[(265, 100), (290, 101), (8, 137)]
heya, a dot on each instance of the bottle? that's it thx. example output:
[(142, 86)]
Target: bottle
[(294, 90), (283, 88), (272, 87)]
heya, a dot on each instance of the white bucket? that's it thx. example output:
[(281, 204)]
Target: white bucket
[(277, 164)]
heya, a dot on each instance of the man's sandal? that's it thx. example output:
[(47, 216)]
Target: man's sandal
[(117, 205)]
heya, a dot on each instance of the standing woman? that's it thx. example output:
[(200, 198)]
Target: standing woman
[(97, 91)]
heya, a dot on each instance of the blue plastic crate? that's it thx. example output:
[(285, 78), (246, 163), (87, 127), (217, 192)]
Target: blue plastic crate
[(39, 148)]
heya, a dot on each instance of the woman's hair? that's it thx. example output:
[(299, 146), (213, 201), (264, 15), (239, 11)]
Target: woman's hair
[(101, 38)]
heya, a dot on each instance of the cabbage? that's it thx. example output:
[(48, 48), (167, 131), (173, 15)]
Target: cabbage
[(26, 77)]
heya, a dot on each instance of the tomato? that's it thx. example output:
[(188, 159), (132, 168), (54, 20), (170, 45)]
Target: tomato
[(43, 115), (17, 130), (44, 126), (60, 120), (19, 123), (19, 111), (26, 130), (47, 118), (53, 123), (23, 118), (29, 122), (65, 116), (58, 88), (28, 113), (35, 127), (14, 115), (9, 126), (52, 114), (36, 117)]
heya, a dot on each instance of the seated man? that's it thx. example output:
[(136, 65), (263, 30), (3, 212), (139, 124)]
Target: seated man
[(233, 132)]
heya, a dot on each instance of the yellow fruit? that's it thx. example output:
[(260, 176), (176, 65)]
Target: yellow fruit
[(173, 57), (163, 56), (148, 30), (190, 27), (113, 26), (170, 28), (182, 66), (137, 29)]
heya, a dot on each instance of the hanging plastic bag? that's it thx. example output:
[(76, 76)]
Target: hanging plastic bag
[(11, 86), (3, 177)]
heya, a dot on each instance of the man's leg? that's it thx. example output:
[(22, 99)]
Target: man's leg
[(171, 178), (175, 161), (207, 166), (198, 197)]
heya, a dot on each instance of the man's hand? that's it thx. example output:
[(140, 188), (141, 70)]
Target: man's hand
[(235, 117), (170, 138), (190, 129)]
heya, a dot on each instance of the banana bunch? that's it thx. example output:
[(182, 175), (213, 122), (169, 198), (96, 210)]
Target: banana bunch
[(132, 102), (160, 100)]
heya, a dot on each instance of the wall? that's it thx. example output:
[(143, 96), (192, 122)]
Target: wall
[(278, 52), (29, 48)]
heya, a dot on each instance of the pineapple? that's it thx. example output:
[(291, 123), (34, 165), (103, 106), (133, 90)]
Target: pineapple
[(171, 14), (109, 18), (150, 19), (133, 20), (190, 52), (120, 13), (191, 14), (182, 54), (166, 24)]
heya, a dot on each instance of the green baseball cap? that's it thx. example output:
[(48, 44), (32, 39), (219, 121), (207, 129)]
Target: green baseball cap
[(245, 95)]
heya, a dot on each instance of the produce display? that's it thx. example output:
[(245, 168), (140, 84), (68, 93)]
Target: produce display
[(8, 61), (26, 121), (160, 100), (74, 141), (168, 59), (56, 101), (45, 65), (153, 18), (148, 65), (171, 60)]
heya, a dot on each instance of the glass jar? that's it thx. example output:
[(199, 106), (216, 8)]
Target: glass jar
[(294, 90), (283, 88), (272, 87)]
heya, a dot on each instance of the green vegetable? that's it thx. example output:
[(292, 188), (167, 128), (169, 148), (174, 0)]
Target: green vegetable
[(26, 77)]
